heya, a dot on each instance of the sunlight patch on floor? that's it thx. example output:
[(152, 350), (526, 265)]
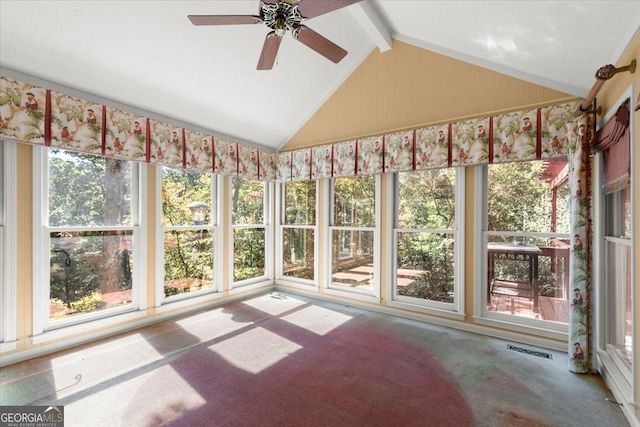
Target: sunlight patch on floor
[(316, 319), (200, 326), (255, 350), (274, 303), (70, 369)]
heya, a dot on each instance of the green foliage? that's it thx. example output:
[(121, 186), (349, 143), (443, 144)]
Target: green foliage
[(354, 203), (300, 202), (432, 253), (188, 254), (88, 191), (426, 199), (79, 188), (248, 253), (247, 201), (88, 303), (518, 199), (179, 189)]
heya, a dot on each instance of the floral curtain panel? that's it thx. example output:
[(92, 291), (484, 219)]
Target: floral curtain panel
[(579, 350)]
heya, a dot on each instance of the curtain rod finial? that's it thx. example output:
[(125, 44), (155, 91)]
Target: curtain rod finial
[(608, 71)]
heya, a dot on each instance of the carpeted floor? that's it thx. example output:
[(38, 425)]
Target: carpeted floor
[(285, 360)]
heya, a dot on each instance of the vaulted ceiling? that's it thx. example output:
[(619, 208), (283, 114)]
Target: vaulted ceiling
[(148, 55)]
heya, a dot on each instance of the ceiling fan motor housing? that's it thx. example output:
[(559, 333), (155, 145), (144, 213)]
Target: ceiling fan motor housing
[(280, 16)]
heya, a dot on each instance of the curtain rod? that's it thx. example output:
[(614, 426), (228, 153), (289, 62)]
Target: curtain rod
[(602, 75)]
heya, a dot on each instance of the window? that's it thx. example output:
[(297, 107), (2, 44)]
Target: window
[(426, 238), (248, 207), (618, 282), (188, 210), (526, 241), (298, 230), (87, 234), (353, 234), (613, 265)]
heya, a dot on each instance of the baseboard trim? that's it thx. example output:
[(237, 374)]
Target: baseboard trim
[(536, 341)]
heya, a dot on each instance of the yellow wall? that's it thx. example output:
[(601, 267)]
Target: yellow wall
[(408, 87)]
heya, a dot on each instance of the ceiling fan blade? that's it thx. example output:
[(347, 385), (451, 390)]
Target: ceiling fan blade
[(320, 44), (223, 19), (269, 51), (312, 8)]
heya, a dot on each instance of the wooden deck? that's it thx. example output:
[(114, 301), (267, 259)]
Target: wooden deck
[(552, 309), (360, 276)]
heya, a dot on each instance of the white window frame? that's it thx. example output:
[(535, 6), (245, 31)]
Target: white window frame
[(42, 329), (453, 310), (547, 329), (623, 382), (267, 225), (8, 198), (187, 298), (374, 294), (282, 226)]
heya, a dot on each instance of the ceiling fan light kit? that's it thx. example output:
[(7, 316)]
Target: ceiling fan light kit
[(282, 16)]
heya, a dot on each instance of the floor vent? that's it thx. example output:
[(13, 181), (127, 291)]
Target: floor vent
[(529, 351)]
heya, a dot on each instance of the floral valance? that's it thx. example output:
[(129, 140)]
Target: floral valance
[(40, 116), (36, 115), (538, 133)]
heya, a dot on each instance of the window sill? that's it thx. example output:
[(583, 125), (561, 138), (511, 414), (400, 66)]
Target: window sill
[(172, 305), (82, 328), (555, 332), (422, 309), (8, 346)]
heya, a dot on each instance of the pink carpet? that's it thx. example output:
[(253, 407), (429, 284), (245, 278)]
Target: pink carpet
[(291, 361)]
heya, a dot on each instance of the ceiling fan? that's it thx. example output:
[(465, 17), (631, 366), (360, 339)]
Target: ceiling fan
[(283, 15)]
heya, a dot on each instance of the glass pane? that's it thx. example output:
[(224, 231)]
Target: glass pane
[(90, 271), (354, 201), (425, 266), (352, 258), (528, 196), (247, 201), (529, 277), (188, 261), (86, 190), (297, 257), (186, 197), (300, 202), (618, 213), (619, 304), (426, 199), (248, 253)]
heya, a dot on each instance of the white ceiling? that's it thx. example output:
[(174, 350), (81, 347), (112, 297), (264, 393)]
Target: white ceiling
[(148, 56)]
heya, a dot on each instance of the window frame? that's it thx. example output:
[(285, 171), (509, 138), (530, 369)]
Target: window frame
[(452, 310), (42, 329), (621, 378), (482, 316), (8, 241), (373, 295), (214, 226), (282, 226), (253, 282)]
